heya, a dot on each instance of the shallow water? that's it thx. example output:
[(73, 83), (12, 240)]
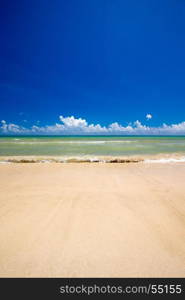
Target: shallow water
[(90, 145)]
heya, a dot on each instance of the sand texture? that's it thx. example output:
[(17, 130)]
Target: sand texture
[(92, 220)]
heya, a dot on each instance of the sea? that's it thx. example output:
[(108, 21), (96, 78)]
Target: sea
[(94, 148)]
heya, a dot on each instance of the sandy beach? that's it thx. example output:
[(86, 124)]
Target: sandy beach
[(92, 220)]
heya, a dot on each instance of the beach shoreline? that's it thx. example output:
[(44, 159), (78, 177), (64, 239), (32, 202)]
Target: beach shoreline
[(92, 220), (158, 157)]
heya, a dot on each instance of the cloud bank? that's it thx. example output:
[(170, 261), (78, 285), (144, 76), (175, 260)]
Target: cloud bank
[(79, 126)]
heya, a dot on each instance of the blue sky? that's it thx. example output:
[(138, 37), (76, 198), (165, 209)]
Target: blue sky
[(104, 61)]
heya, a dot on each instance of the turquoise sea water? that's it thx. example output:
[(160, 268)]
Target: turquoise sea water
[(90, 145)]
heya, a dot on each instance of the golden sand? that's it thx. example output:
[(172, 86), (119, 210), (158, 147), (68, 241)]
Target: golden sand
[(92, 220)]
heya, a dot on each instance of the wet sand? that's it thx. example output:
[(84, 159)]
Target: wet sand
[(92, 220)]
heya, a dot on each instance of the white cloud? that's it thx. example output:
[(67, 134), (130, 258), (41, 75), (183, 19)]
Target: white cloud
[(73, 122), (72, 125), (11, 128), (148, 116)]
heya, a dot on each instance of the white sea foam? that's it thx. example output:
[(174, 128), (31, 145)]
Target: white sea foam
[(45, 161), (165, 160), (94, 159), (67, 142)]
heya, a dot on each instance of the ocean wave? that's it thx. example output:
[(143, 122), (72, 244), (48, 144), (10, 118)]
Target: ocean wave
[(175, 158), (65, 142), (72, 160), (165, 160)]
